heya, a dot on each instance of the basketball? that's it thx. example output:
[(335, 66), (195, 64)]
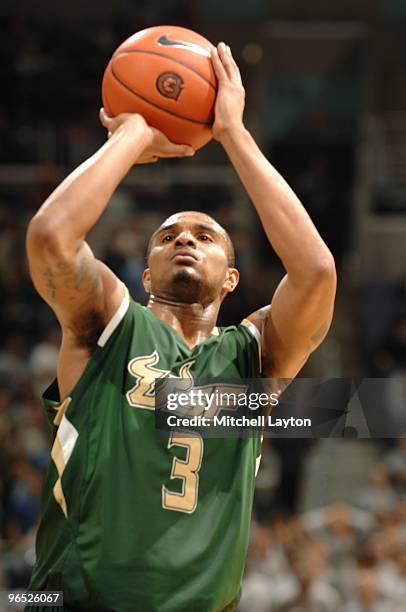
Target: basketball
[(165, 74)]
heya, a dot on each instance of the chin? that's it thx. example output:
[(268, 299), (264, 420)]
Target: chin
[(184, 274), (187, 285)]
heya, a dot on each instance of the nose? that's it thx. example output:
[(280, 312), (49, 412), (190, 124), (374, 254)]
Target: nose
[(185, 238)]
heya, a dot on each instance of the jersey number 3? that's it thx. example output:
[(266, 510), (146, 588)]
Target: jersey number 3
[(185, 469), (142, 395)]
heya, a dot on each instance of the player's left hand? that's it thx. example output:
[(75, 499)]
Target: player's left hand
[(230, 100)]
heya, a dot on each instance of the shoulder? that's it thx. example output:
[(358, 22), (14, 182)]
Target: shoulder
[(243, 344), (245, 333)]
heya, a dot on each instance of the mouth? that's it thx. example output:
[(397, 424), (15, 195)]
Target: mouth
[(185, 256)]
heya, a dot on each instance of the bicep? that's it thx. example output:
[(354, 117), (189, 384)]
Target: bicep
[(78, 288), (294, 324)]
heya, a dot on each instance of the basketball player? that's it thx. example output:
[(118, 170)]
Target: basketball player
[(132, 522)]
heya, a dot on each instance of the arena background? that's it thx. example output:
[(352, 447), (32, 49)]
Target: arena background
[(326, 100)]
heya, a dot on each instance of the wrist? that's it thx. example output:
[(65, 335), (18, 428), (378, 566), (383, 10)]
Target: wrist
[(233, 134), (137, 134)]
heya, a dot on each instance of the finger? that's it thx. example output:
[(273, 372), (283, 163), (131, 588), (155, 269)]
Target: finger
[(104, 118), (233, 69), (148, 160), (171, 155), (218, 66), (235, 66), (174, 150), (225, 59)]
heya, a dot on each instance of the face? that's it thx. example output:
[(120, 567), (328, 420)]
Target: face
[(366, 584), (188, 260)]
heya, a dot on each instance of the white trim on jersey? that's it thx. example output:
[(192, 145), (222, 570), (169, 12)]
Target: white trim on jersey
[(257, 464), (258, 459), (115, 319), (68, 434), (62, 449)]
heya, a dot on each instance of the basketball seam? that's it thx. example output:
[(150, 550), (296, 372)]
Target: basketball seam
[(161, 108), (173, 59)]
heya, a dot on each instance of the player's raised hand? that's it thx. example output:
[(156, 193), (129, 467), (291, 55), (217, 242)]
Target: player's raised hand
[(230, 100), (156, 144)]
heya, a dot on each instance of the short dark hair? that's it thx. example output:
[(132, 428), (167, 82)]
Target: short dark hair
[(229, 242)]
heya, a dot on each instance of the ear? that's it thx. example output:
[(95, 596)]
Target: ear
[(146, 280), (232, 278)]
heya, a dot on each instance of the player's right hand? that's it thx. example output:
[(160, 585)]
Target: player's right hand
[(156, 143)]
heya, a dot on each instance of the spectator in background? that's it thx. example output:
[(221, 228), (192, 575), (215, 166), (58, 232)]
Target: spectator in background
[(398, 586), (43, 360), (395, 462), (387, 547), (13, 368), (378, 497), (23, 504), (34, 433), (6, 397), (308, 589), (260, 571), (366, 596)]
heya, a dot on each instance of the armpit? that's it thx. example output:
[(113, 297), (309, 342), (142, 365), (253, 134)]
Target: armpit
[(87, 331)]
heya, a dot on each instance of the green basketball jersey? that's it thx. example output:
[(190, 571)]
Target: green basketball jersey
[(134, 522)]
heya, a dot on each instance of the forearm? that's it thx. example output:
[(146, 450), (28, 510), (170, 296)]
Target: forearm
[(286, 223), (74, 207)]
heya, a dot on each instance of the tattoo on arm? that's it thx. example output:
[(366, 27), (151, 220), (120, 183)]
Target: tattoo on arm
[(78, 276), (78, 283), (320, 333), (80, 273), (316, 338), (50, 284)]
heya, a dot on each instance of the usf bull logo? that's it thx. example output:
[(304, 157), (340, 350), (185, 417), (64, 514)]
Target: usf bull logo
[(145, 372), (170, 85), (213, 398)]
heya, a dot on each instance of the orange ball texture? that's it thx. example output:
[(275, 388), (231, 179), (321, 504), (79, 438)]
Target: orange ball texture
[(165, 74)]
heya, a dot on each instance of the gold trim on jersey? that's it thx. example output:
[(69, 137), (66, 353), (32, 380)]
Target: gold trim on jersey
[(60, 410), (62, 449)]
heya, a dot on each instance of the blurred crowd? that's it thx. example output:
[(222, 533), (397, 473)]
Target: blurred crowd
[(52, 72), (339, 558)]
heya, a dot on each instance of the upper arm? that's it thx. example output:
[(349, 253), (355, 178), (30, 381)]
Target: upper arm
[(295, 323), (80, 289)]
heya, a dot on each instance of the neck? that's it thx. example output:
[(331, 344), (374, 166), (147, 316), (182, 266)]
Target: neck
[(193, 322)]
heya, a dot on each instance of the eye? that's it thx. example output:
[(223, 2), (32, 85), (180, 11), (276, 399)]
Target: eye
[(167, 238), (204, 237)]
